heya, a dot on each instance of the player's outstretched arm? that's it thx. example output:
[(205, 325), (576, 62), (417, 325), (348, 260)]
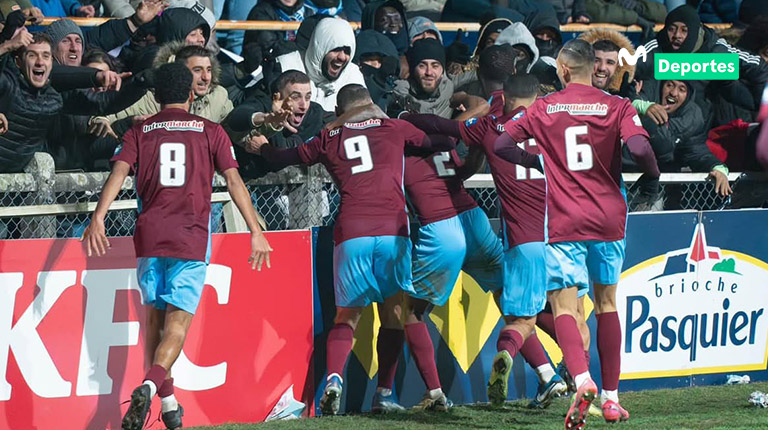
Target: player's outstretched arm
[(260, 248), (95, 235), (506, 148), (433, 124)]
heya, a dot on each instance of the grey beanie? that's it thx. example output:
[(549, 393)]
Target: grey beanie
[(60, 29)]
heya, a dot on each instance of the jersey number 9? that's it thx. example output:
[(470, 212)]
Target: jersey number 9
[(357, 147), (173, 170)]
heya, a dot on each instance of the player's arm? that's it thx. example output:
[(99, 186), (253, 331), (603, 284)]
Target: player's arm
[(472, 164), (260, 248), (95, 235), (433, 124), (642, 152), (506, 148)]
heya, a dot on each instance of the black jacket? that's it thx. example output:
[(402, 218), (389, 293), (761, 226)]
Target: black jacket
[(271, 44), (682, 142), (368, 22), (380, 82)]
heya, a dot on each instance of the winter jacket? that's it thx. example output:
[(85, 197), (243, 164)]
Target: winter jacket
[(542, 21), (380, 82), (744, 92), (329, 34), (613, 12), (621, 41), (401, 39), (214, 106), (717, 10), (424, 6), (407, 95), (682, 142), (60, 8), (8, 6), (568, 9), (272, 44), (518, 34)]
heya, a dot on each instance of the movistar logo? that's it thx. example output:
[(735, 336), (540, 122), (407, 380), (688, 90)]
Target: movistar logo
[(631, 59)]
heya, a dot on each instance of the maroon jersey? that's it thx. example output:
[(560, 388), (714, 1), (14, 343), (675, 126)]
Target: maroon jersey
[(365, 160), (579, 131), (520, 190), (174, 154), (434, 190), (497, 102)]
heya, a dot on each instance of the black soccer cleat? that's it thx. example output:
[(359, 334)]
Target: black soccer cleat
[(172, 419), (136, 415)]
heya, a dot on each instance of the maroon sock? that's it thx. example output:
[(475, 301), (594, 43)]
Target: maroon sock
[(609, 348), (166, 389), (571, 344), (533, 352), (388, 347), (156, 374), (423, 353), (338, 347), (546, 322), (509, 340)]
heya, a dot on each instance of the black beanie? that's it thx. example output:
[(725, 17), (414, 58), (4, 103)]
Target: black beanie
[(425, 49), (751, 10), (685, 14)]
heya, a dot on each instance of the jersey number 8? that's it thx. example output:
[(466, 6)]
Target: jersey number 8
[(357, 147), (173, 170)]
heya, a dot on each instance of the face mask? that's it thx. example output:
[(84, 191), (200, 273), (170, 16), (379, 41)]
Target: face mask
[(547, 48)]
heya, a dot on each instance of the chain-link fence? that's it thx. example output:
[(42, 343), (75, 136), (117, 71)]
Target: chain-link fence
[(41, 204)]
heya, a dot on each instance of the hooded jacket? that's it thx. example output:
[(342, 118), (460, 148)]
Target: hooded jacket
[(368, 22), (541, 21), (381, 81), (619, 40), (568, 9), (329, 34), (214, 106), (518, 34), (683, 141), (274, 43)]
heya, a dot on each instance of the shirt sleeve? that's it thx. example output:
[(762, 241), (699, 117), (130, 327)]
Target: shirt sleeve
[(311, 151), (519, 129), (473, 130), (412, 136), (223, 152), (630, 124), (128, 150)]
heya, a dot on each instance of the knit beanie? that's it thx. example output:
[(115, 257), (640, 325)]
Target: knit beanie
[(60, 29), (425, 49)]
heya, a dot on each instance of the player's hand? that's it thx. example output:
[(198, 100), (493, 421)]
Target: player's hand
[(101, 127), (3, 124), (95, 238), (255, 142), (260, 250), (86, 11), (109, 80), (658, 114), (722, 187)]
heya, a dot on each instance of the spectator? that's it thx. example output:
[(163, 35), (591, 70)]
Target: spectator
[(644, 13), (211, 100), (430, 9), (717, 10), (683, 33), (35, 15), (62, 8), (326, 7), (468, 10), (273, 43), (24, 80), (528, 59), (305, 119), (608, 74), (755, 38), (378, 61), (235, 10), (750, 10), (420, 27), (427, 89), (387, 17), (546, 30), (497, 64), (326, 61), (488, 34), (570, 11), (681, 142)]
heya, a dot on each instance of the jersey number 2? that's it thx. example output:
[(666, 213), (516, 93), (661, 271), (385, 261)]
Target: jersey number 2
[(578, 155), (173, 170), (357, 147), (440, 159)]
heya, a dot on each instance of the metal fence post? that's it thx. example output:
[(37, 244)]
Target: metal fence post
[(305, 201), (42, 168)]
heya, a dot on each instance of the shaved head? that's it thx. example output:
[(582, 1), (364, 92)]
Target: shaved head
[(576, 60)]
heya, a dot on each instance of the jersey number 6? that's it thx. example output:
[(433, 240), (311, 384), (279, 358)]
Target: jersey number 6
[(357, 147), (173, 170), (578, 155)]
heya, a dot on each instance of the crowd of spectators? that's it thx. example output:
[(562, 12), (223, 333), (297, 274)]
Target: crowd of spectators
[(74, 91)]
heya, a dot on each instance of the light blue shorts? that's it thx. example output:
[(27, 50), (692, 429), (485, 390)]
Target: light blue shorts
[(165, 280), (575, 264), (369, 269), (445, 248), (525, 280)]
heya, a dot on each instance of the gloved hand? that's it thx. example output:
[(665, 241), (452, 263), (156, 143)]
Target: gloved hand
[(458, 51), (13, 21), (627, 88)]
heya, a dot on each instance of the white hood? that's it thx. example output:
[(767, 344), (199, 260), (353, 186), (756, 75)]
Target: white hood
[(516, 34)]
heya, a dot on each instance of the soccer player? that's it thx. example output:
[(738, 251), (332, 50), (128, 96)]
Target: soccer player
[(579, 132), (521, 192), (174, 154), (372, 254)]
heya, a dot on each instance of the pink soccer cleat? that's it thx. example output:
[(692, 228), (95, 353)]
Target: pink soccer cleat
[(613, 412), (579, 410)]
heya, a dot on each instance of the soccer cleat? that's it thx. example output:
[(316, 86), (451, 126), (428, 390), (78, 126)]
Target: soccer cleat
[(331, 400), (576, 418), (594, 410), (434, 402), (172, 419), (613, 412), (556, 387), (385, 404), (499, 380), (566, 376), (136, 415)]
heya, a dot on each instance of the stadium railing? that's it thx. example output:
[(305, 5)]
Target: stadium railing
[(41, 203)]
